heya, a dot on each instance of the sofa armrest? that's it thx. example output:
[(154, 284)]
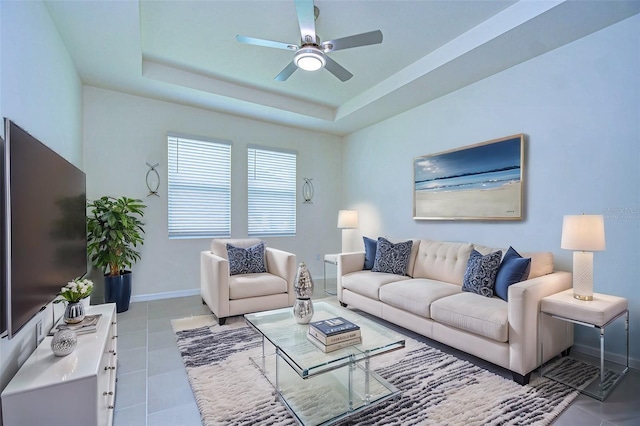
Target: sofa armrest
[(523, 312), (214, 283), (347, 263), (283, 264)]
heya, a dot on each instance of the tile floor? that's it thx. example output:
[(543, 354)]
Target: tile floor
[(153, 389)]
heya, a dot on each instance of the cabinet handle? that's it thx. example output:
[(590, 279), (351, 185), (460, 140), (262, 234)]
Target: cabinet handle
[(114, 336), (109, 368), (110, 407), (107, 393), (113, 323), (112, 351)]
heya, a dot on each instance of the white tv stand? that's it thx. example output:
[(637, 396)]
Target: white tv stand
[(79, 388)]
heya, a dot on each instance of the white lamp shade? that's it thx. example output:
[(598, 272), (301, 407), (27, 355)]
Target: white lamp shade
[(583, 232), (347, 219)]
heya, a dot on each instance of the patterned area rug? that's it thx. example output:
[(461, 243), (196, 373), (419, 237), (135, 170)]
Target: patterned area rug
[(437, 388)]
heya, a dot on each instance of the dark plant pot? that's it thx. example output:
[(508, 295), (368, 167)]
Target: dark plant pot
[(118, 290)]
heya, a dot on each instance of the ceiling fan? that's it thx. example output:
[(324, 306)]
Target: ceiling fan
[(311, 54)]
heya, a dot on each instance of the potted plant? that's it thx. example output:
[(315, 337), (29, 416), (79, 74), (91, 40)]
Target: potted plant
[(114, 229)]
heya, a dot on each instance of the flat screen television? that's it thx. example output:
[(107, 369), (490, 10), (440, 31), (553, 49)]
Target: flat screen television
[(44, 225)]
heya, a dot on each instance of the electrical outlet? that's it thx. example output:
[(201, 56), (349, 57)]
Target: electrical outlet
[(39, 333)]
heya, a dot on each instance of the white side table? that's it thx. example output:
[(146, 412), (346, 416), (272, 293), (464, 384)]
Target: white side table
[(598, 313), (330, 259)]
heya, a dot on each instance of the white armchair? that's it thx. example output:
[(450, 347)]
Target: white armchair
[(229, 295)]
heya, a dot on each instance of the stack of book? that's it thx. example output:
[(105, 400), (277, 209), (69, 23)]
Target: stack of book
[(333, 334), (88, 325)]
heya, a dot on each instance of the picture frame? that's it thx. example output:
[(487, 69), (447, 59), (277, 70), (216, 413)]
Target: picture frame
[(483, 181)]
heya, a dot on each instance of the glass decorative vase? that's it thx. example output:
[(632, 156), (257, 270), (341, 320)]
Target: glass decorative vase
[(64, 341), (303, 286), (74, 312)]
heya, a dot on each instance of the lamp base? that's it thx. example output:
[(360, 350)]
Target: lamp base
[(581, 297), (583, 275)]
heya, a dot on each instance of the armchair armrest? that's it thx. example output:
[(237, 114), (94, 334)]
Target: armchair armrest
[(214, 283), (523, 312), (347, 263), (283, 264)]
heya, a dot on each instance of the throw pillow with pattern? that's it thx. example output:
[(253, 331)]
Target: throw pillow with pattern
[(246, 260), (480, 276), (392, 258)]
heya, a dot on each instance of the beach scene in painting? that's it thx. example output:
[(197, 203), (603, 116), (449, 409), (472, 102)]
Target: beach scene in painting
[(482, 181)]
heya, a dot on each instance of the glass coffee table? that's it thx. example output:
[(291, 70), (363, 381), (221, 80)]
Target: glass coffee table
[(322, 388)]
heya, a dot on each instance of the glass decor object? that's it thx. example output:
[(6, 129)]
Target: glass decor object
[(74, 312), (64, 341), (303, 286)]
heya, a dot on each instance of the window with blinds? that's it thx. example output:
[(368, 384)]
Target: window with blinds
[(199, 186), (271, 186)]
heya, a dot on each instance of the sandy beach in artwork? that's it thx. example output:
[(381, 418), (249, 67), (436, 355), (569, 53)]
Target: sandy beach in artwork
[(500, 202)]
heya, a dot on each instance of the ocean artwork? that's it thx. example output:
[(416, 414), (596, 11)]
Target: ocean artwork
[(482, 182)]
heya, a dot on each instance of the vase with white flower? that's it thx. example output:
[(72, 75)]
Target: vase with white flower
[(73, 293)]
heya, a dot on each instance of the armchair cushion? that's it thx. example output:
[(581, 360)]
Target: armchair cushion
[(255, 285), (246, 260)]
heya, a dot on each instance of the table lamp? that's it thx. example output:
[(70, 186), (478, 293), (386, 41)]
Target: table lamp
[(584, 234), (347, 219)]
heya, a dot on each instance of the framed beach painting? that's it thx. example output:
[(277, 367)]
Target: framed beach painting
[(475, 182)]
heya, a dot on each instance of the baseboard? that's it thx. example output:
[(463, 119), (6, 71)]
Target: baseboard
[(166, 295), (617, 358)]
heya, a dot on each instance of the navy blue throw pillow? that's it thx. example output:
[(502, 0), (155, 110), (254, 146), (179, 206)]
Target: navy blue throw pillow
[(480, 276), (392, 258), (246, 260), (370, 247), (514, 268)]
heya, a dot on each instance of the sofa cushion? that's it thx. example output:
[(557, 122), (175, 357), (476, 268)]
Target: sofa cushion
[(392, 258), (541, 261), (255, 285), (416, 295), (367, 283), (442, 261), (513, 269), (248, 260), (480, 276), (412, 256), (219, 245), (484, 316), (370, 246)]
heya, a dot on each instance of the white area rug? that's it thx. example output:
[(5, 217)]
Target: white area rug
[(437, 388)]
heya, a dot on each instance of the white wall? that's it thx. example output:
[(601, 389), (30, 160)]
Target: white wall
[(580, 109), (122, 132), (41, 92)]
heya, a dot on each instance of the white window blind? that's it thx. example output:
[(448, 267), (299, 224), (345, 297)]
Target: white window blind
[(199, 175), (271, 188)]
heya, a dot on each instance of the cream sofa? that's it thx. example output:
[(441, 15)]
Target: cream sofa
[(230, 295), (429, 300)]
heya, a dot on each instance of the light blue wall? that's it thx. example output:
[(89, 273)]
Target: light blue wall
[(579, 107), (41, 92)]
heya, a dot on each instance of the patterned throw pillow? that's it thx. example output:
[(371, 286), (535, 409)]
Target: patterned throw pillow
[(246, 260), (392, 258), (480, 276), (513, 269), (370, 247)]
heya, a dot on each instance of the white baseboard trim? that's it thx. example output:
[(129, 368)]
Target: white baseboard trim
[(166, 295), (609, 356)]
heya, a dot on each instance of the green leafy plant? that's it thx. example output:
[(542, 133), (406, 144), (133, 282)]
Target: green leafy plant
[(75, 290), (114, 228)]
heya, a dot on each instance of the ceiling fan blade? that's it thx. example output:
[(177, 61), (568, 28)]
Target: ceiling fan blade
[(266, 43), (364, 39), (286, 72), (336, 69), (307, 20)]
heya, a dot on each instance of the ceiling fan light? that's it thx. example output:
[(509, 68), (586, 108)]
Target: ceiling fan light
[(309, 59)]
